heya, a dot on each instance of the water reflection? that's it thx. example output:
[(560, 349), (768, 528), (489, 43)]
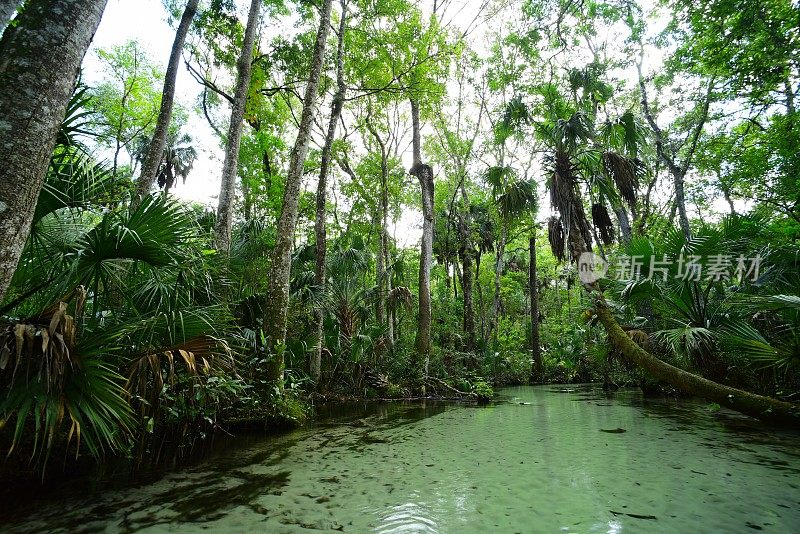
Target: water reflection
[(540, 459)]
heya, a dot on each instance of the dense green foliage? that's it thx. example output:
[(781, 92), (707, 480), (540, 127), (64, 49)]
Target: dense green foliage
[(124, 324)]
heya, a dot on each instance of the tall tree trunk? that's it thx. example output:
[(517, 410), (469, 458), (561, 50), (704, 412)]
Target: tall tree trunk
[(380, 274), (497, 303), (726, 193), (465, 252), (624, 224), (155, 152), (7, 10), (481, 306), (424, 173), (387, 261), (678, 178), (39, 65), (227, 192), (280, 270), (456, 277), (537, 371), (386, 281), (320, 233), (382, 263)]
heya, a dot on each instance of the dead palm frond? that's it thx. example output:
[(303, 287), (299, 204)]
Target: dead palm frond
[(400, 297), (48, 381), (625, 173), (602, 221), (555, 234), (197, 358)]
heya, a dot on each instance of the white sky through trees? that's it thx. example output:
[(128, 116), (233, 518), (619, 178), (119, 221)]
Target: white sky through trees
[(146, 22)]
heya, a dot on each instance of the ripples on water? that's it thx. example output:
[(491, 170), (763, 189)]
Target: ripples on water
[(542, 459)]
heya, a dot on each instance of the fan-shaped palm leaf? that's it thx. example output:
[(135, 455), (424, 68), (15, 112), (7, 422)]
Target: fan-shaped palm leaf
[(517, 198)]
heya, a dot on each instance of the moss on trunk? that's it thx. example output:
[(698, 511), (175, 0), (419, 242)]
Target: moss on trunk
[(764, 408)]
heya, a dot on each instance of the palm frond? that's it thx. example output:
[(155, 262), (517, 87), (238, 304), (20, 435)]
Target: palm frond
[(50, 385), (74, 180), (555, 235), (517, 198), (400, 297), (75, 123), (625, 174), (603, 223)]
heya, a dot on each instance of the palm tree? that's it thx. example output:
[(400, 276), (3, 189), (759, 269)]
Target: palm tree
[(569, 138), (513, 197), (566, 138), (322, 188), (177, 160), (625, 136), (138, 314)]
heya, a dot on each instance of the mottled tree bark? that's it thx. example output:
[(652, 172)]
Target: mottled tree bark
[(227, 192), (322, 189), (465, 252), (382, 263), (7, 10), (624, 224), (155, 151), (537, 371), (39, 65), (280, 270), (424, 174)]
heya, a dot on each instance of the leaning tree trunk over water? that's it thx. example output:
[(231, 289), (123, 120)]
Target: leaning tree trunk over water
[(155, 152), (765, 408), (227, 193), (280, 270), (424, 174), (322, 189), (537, 371), (758, 406), (747, 403), (39, 65)]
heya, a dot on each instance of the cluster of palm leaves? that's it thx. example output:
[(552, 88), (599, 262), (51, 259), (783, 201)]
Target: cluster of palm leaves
[(730, 320), (110, 307), (176, 162), (353, 338), (600, 159)]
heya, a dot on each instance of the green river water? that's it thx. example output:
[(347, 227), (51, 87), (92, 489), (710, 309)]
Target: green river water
[(540, 459)]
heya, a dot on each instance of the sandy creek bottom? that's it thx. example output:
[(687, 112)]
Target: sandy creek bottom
[(541, 459)]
